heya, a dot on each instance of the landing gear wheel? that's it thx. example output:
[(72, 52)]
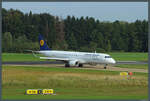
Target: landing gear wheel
[(80, 65), (105, 67), (67, 65)]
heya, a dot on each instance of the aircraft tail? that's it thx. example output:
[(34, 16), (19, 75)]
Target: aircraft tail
[(43, 45)]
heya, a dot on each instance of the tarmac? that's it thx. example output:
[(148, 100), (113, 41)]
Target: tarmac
[(59, 62)]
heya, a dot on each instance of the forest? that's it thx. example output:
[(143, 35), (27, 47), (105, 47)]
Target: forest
[(20, 32)]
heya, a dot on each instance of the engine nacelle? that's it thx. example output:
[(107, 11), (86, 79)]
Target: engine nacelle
[(73, 63)]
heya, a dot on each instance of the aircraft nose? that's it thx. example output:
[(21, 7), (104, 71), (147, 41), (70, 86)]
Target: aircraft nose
[(113, 61)]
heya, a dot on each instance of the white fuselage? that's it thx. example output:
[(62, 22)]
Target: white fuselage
[(81, 57)]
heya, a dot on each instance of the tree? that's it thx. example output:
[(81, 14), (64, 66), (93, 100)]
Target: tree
[(108, 49), (7, 42), (92, 46), (100, 40), (72, 43), (60, 42), (72, 33)]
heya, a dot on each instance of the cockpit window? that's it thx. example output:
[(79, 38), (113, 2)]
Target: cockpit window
[(107, 56)]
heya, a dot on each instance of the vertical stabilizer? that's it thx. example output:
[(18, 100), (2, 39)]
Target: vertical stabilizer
[(43, 45)]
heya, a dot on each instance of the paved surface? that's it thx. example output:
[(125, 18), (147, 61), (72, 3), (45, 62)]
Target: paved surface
[(59, 62), (132, 62)]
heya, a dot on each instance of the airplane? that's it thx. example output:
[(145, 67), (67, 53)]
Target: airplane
[(71, 58)]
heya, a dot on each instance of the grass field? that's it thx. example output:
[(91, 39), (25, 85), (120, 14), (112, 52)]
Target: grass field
[(117, 56), (72, 83), (19, 57), (129, 56)]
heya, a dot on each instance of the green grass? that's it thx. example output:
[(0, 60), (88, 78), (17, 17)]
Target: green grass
[(72, 83), (120, 56), (66, 70), (19, 57), (129, 56), (67, 95), (135, 66)]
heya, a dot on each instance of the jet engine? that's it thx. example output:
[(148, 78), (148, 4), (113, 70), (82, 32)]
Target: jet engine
[(73, 63)]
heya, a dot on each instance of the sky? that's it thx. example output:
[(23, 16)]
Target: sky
[(103, 11)]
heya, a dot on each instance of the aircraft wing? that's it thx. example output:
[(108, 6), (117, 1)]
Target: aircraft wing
[(61, 59)]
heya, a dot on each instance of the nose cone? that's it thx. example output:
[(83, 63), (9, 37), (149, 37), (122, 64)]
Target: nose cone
[(113, 61)]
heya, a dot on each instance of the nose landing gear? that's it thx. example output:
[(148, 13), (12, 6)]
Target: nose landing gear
[(105, 67)]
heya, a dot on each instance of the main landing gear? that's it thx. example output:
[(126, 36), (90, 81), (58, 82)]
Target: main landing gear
[(67, 65), (105, 67), (79, 65)]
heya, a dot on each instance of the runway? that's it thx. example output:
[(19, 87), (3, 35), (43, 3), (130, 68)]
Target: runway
[(59, 62)]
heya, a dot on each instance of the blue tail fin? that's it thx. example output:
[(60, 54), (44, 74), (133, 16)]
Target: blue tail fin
[(43, 45)]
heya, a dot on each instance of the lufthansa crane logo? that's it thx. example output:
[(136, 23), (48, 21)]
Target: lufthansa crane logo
[(41, 42)]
